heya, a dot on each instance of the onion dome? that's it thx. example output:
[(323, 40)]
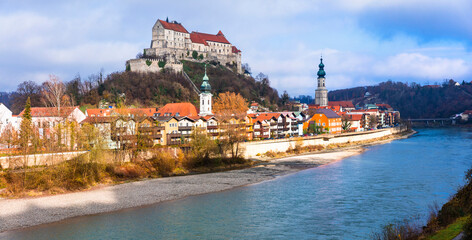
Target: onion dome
[(205, 87), (321, 72)]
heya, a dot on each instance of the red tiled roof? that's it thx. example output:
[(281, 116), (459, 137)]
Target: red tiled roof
[(235, 50), (121, 111), (266, 116), (344, 104), (183, 109), (49, 112), (173, 26), (336, 108), (254, 104), (202, 38), (355, 117), (97, 112), (149, 112)]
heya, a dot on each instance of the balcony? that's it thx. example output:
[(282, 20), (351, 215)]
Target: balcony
[(173, 135), (212, 127), (185, 128)]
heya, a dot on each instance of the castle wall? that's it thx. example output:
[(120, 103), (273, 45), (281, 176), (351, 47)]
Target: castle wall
[(139, 65)]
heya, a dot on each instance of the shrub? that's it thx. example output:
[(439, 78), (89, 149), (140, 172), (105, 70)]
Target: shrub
[(161, 64), (399, 230), (467, 228), (200, 57), (450, 212), (164, 163), (195, 55), (128, 67), (129, 170), (148, 62)]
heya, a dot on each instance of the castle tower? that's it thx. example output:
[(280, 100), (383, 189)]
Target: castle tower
[(321, 93), (205, 97)]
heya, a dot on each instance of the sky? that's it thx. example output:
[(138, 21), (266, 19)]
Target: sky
[(363, 42)]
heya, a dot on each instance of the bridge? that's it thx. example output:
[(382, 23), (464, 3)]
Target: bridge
[(432, 121)]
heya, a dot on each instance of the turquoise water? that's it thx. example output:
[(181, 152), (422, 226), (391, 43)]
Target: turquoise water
[(345, 200)]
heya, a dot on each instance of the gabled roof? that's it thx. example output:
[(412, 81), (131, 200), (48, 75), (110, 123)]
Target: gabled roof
[(344, 104), (49, 112), (203, 38), (235, 50), (266, 116), (354, 117), (121, 111), (178, 109), (164, 118), (173, 26), (328, 113), (97, 112), (135, 111)]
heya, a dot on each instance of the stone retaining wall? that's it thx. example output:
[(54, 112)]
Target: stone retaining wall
[(282, 145), (38, 159)]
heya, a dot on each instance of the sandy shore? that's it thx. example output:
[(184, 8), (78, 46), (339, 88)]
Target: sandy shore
[(21, 213)]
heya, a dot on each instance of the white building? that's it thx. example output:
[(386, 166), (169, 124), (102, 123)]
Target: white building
[(205, 97), (6, 117)]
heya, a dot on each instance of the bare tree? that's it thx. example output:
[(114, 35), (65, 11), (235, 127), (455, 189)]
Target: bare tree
[(54, 93)]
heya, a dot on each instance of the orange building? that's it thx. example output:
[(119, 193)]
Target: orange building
[(326, 119)]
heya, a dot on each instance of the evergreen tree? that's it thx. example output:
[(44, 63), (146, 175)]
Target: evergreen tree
[(26, 127)]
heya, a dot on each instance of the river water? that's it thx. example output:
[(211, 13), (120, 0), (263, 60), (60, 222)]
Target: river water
[(348, 199)]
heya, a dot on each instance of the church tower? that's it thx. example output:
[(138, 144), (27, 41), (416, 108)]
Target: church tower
[(205, 96), (321, 93)]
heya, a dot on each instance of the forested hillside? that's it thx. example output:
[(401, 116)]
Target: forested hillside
[(413, 100), (147, 89), (224, 80)]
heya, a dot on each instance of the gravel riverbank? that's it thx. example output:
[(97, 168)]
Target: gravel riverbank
[(21, 213)]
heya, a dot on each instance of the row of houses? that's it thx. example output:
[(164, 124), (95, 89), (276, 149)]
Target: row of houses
[(174, 123)]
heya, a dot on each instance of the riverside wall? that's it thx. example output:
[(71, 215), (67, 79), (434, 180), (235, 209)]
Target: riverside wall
[(252, 149), (38, 159)]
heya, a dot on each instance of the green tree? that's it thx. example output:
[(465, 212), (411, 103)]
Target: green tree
[(195, 55), (26, 127), (26, 133), (345, 123), (200, 57), (161, 64)]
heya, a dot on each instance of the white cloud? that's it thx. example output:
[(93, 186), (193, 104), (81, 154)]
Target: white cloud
[(420, 66)]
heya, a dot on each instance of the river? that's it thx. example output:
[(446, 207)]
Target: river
[(348, 199)]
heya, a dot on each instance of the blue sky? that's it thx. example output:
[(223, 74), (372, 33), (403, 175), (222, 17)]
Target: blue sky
[(363, 42)]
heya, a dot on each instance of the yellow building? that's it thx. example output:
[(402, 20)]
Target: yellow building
[(325, 120), (171, 130)]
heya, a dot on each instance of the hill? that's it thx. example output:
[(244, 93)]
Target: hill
[(413, 100), (157, 89), (224, 80)]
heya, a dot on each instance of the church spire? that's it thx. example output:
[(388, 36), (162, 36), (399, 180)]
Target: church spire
[(205, 96), (205, 87), (321, 71)]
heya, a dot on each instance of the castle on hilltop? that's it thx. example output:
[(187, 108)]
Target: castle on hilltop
[(171, 43)]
